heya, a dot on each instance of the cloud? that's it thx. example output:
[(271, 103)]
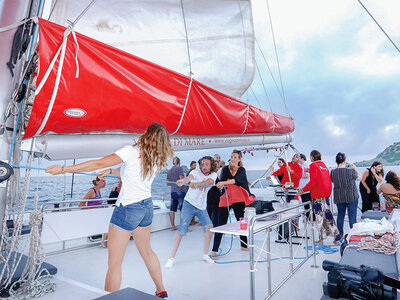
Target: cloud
[(331, 126), (373, 56), (391, 128)]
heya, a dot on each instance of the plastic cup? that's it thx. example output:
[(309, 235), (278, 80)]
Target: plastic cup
[(375, 206), (243, 223)]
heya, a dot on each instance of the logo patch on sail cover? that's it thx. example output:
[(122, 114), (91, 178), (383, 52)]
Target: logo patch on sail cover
[(75, 112)]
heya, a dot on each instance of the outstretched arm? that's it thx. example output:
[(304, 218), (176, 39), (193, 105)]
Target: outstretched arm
[(207, 182), (90, 165), (185, 180)]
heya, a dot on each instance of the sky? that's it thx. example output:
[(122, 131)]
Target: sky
[(340, 76), (339, 72)]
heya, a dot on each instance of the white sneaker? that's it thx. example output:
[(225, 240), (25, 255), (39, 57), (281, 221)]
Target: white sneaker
[(208, 259), (170, 263)]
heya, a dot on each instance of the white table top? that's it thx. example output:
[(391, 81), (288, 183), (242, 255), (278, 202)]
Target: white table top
[(234, 228)]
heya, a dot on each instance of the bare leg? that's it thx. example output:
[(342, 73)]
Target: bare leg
[(142, 241), (172, 219), (207, 240), (118, 239), (105, 238), (193, 222), (177, 242), (213, 254)]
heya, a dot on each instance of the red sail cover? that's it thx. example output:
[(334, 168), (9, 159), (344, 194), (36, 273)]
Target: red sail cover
[(119, 92)]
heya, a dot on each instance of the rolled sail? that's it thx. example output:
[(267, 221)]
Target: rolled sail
[(102, 89)]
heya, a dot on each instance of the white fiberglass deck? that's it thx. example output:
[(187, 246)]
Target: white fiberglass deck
[(192, 278)]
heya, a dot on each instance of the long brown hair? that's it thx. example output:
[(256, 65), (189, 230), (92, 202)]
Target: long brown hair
[(239, 153), (155, 148), (393, 179)]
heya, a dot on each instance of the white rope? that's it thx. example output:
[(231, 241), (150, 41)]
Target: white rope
[(247, 116), (60, 52), (76, 54), (262, 247), (186, 102), (34, 281), (15, 25)]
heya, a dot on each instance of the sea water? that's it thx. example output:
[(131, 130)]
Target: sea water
[(66, 187)]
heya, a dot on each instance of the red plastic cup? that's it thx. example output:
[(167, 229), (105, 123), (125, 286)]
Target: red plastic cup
[(243, 223)]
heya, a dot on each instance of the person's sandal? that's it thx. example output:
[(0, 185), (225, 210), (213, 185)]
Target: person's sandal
[(163, 295)]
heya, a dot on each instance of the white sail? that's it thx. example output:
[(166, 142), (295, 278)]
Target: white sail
[(220, 35)]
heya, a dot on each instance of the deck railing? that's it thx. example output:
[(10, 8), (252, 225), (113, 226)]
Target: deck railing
[(283, 219)]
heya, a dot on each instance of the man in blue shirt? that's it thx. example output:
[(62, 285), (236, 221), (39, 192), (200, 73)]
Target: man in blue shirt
[(177, 193)]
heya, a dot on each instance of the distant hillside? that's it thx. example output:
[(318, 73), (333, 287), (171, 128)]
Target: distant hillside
[(389, 156)]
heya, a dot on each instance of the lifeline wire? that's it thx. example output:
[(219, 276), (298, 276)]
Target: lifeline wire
[(96, 174), (380, 27), (277, 59)]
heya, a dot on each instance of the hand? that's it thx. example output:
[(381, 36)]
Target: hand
[(179, 182), (268, 178), (300, 192), (192, 185), (271, 168), (289, 169), (54, 170), (220, 185), (104, 173), (368, 191)]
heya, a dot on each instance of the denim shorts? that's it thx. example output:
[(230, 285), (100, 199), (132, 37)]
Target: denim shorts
[(138, 214), (177, 201), (187, 213)]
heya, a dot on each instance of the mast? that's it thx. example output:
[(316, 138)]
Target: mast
[(12, 12)]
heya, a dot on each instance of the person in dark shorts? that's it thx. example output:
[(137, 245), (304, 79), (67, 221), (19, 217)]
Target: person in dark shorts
[(115, 192), (133, 212), (177, 192)]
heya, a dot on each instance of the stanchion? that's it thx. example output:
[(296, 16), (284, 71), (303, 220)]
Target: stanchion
[(314, 265), (290, 245), (269, 261)]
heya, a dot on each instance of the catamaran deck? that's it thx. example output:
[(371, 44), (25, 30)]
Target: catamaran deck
[(191, 277)]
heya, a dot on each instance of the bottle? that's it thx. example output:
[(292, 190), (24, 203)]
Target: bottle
[(382, 203), (249, 212)]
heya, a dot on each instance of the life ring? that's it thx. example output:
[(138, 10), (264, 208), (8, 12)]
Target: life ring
[(5, 171)]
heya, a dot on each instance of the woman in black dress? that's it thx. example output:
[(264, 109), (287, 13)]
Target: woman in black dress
[(371, 177), (234, 174)]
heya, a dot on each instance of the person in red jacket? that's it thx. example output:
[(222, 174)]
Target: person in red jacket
[(295, 170), (320, 187)]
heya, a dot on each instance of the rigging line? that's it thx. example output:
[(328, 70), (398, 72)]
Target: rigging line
[(52, 9), (15, 133), (265, 90), (269, 69), (83, 12), (254, 94), (359, 1), (247, 114), (187, 39), (244, 45), (277, 59), (184, 108)]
